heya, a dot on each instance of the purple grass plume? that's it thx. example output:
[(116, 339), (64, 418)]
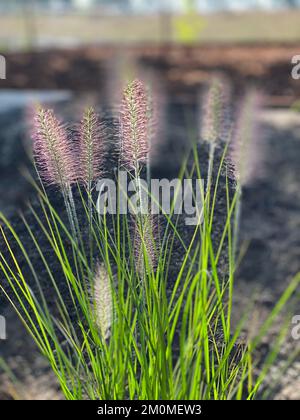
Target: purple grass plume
[(136, 125), (215, 121), (52, 150), (246, 152), (91, 148)]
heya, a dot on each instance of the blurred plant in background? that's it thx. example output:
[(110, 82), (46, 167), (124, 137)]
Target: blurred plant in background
[(189, 25)]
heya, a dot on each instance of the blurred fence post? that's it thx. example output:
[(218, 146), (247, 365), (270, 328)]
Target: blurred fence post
[(2, 67), (29, 17), (2, 328), (165, 28), (166, 33)]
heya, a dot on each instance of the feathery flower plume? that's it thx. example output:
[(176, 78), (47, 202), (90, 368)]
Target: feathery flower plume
[(52, 150), (215, 122), (145, 243), (135, 124), (103, 301), (91, 147), (246, 152)]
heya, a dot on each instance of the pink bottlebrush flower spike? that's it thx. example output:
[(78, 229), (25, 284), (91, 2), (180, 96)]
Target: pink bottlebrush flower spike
[(52, 151), (91, 147), (136, 127)]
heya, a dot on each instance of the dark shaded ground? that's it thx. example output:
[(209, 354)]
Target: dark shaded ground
[(271, 229)]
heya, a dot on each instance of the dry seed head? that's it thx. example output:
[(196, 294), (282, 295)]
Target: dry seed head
[(103, 301)]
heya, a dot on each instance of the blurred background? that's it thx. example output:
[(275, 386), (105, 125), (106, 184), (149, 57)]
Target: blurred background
[(44, 23), (75, 44), (72, 53)]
